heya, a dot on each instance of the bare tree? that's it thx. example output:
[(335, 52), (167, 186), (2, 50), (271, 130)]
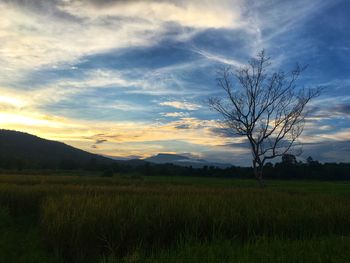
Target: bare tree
[(266, 107)]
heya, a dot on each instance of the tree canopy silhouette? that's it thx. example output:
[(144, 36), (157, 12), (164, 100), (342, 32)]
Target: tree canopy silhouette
[(266, 107)]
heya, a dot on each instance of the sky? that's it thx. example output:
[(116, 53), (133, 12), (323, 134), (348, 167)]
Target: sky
[(132, 78)]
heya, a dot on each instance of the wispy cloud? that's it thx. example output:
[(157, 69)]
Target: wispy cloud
[(35, 36), (195, 14), (183, 105), (218, 58), (175, 114)]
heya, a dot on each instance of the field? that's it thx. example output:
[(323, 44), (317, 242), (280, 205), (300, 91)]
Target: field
[(178, 219)]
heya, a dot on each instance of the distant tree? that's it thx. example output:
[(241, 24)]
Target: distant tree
[(266, 107), (289, 159), (311, 162), (268, 165)]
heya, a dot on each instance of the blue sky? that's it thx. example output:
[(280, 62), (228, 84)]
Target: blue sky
[(131, 78)]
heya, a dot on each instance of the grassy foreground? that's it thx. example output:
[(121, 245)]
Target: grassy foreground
[(159, 219)]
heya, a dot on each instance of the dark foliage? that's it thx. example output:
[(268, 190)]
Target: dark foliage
[(317, 171)]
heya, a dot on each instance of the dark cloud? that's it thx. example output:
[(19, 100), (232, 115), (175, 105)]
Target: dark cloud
[(223, 132), (106, 3), (183, 126), (243, 144), (331, 151), (45, 8), (189, 155), (325, 111), (101, 137), (99, 141), (342, 108)]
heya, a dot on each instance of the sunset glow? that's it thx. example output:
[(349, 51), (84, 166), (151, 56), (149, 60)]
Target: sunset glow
[(132, 78)]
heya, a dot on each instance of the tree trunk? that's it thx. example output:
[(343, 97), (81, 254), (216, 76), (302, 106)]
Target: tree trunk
[(260, 178), (258, 173)]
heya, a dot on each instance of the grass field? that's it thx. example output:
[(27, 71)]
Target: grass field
[(177, 219)]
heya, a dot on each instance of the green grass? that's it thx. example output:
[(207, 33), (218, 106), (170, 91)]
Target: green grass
[(20, 240), (172, 219), (332, 187), (313, 186)]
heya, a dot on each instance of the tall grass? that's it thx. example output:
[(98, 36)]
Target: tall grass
[(89, 217), (121, 222), (263, 250)]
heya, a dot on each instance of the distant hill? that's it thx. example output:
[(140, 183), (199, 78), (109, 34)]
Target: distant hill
[(23, 150), (163, 158)]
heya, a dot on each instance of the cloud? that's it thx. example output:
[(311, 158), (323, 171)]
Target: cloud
[(196, 14), (184, 126), (127, 75), (33, 38), (97, 142), (33, 120), (109, 134), (12, 101), (100, 141), (342, 109), (328, 151), (183, 105), (218, 58), (277, 17), (36, 34), (175, 114), (224, 132), (331, 106)]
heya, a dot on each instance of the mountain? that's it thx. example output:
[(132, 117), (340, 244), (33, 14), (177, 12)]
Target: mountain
[(130, 160), (166, 158), (23, 150), (180, 160)]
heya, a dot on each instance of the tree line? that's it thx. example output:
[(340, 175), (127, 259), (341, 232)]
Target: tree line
[(288, 168)]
